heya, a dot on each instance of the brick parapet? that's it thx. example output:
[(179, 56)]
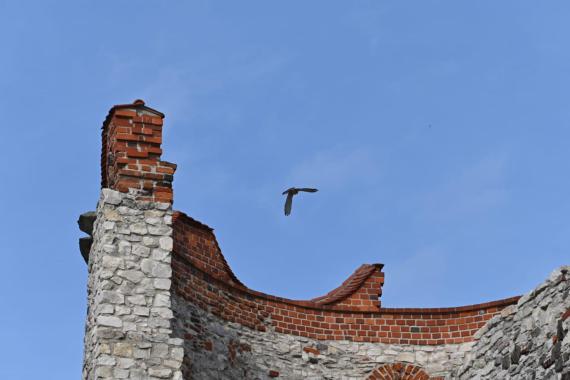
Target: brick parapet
[(202, 276), (131, 153)]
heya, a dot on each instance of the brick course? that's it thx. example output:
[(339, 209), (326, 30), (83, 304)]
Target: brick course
[(202, 276)]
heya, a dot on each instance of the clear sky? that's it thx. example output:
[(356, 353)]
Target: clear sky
[(438, 133)]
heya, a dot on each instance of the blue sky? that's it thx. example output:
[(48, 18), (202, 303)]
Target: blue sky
[(438, 133)]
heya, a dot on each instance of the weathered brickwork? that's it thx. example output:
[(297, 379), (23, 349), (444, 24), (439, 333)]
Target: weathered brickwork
[(529, 340), (130, 158), (202, 276), (400, 371), (163, 303)]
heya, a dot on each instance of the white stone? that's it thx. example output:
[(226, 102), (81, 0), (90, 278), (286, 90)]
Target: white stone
[(125, 363), (105, 309), (143, 311), (162, 283), (150, 242), (160, 230), (111, 321), (137, 300), (405, 357), (161, 373), (156, 269), (108, 296), (165, 243), (124, 247), (111, 196), (153, 221), (177, 353), (161, 300), (111, 262), (163, 312), (132, 275), (161, 255), (108, 225), (119, 373), (160, 350), (138, 228), (141, 250)]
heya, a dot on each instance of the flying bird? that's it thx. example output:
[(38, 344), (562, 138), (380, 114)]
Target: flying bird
[(292, 192)]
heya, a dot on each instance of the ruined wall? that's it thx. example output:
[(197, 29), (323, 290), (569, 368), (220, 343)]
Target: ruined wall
[(528, 340), (218, 349), (128, 328), (231, 331), (163, 303)]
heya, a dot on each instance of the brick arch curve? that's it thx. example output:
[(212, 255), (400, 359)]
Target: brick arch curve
[(399, 371)]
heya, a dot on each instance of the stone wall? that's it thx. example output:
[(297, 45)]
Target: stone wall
[(128, 330), (217, 349), (529, 340)]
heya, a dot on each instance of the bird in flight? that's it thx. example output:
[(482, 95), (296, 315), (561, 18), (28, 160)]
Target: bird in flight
[(292, 192)]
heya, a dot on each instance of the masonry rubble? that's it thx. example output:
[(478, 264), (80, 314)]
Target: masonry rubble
[(528, 340)]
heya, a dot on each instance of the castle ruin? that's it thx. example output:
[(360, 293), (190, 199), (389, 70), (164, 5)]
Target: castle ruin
[(163, 303)]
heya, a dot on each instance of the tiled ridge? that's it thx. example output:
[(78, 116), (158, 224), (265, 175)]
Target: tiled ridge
[(349, 286)]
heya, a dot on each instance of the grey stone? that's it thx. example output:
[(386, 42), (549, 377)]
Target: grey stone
[(138, 228), (156, 269), (108, 296), (162, 283), (141, 250), (111, 196), (120, 272), (110, 321), (165, 243)]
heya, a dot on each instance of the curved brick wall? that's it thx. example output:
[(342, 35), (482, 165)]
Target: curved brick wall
[(203, 277)]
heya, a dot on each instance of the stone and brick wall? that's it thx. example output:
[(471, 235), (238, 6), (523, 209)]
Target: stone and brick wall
[(202, 276), (529, 340), (165, 304), (235, 332), (128, 330)]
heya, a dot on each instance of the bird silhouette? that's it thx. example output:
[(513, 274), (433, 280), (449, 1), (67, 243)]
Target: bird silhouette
[(292, 192)]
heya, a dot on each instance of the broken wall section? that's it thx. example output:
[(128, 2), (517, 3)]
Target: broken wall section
[(529, 340)]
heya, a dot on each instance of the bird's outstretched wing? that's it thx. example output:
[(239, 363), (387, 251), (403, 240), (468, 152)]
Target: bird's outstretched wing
[(288, 203), (308, 189)]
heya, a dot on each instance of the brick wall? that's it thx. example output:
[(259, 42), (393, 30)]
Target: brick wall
[(130, 158), (203, 277)]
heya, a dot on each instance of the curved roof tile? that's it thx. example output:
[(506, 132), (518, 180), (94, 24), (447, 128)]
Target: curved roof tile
[(349, 286)]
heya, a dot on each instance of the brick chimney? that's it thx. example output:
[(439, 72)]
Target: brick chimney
[(130, 159), (128, 330)]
